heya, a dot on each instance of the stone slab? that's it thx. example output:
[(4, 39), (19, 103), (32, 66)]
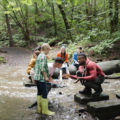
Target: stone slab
[(82, 99), (104, 110)]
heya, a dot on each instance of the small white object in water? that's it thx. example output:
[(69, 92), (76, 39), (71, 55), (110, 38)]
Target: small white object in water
[(60, 75)]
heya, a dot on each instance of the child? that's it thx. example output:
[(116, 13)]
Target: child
[(30, 70), (75, 60), (41, 77), (63, 54), (57, 64)]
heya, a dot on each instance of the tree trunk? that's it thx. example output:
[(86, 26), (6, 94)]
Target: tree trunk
[(27, 32), (105, 14), (95, 11), (54, 18), (111, 16), (11, 43), (86, 5), (65, 21), (36, 9), (116, 2)]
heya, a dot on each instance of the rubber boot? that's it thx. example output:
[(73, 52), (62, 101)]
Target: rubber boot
[(39, 101), (45, 107)]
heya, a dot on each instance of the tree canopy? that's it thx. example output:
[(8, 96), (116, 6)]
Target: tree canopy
[(86, 22)]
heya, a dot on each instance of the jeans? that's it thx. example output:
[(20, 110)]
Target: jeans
[(94, 84), (42, 89)]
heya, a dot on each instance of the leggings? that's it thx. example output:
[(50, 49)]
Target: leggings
[(42, 89)]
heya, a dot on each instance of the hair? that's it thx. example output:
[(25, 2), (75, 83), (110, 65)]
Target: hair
[(80, 48), (37, 52), (38, 48), (82, 55), (44, 46), (64, 52), (58, 60)]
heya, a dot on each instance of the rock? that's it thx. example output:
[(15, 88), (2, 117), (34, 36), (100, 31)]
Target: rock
[(118, 95), (72, 69), (56, 73), (29, 84), (82, 99), (110, 67), (49, 85), (60, 93), (104, 110)]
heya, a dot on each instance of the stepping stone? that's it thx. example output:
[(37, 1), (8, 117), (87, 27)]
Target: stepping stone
[(29, 84), (118, 96), (51, 85), (104, 110), (82, 99)]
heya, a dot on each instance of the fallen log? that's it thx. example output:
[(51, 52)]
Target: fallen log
[(108, 67), (112, 77)]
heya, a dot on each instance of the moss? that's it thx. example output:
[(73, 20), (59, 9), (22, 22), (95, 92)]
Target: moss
[(116, 74), (2, 60)]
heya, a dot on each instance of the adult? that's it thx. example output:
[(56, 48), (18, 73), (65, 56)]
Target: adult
[(90, 75)]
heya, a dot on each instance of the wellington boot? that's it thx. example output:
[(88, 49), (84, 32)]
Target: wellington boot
[(39, 100), (45, 107)]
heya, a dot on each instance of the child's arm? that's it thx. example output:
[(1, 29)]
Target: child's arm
[(31, 65), (43, 65), (45, 76)]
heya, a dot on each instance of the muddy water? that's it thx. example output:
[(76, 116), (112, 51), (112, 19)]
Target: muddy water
[(15, 98)]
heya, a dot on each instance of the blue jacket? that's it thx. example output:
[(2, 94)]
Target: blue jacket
[(74, 57)]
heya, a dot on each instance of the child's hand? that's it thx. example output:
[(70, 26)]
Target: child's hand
[(66, 75), (47, 79)]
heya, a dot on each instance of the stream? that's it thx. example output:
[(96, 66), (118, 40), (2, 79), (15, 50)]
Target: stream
[(15, 98)]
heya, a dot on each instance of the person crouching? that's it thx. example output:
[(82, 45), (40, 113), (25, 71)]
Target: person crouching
[(90, 75)]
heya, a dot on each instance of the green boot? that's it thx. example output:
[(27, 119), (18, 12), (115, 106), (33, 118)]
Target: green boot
[(39, 100), (45, 107)]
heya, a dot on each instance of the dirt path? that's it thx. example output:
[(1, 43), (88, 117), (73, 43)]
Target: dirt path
[(17, 56)]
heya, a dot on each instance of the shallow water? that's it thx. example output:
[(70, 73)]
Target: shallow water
[(15, 98)]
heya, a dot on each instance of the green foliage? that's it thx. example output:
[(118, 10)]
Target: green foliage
[(18, 40), (72, 48), (89, 23), (2, 60), (107, 42)]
